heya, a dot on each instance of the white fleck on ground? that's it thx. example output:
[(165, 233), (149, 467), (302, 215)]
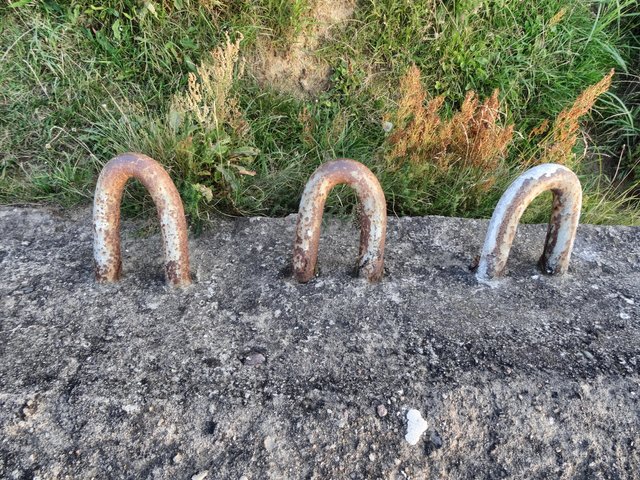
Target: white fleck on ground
[(416, 426)]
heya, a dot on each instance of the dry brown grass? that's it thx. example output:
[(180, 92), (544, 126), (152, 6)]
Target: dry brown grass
[(473, 137), (557, 18), (540, 129), (558, 147), (217, 145), (208, 99)]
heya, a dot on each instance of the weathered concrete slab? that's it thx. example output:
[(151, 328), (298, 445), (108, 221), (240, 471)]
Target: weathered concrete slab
[(537, 378)]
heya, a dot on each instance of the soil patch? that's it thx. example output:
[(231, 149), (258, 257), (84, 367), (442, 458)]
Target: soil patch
[(297, 68)]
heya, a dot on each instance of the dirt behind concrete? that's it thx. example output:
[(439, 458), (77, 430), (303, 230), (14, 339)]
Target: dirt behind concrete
[(248, 374), (297, 69)]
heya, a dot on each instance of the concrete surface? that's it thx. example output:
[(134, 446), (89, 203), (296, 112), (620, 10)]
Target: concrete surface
[(249, 375)]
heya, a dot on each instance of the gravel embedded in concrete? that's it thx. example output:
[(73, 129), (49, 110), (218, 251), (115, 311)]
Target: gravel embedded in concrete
[(248, 373)]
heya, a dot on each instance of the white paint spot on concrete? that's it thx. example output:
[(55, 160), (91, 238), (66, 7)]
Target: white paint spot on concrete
[(416, 426)]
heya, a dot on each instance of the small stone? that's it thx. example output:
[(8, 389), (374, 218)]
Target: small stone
[(153, 305), (254, 359), (387, 126), (130, 409), (381, 410), (178, 458), (200, 476), (416, 426), (269, 443), (372, 457), (436, 440)]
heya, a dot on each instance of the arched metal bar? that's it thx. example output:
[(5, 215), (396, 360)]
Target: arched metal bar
[(567, 201), (106, 217), (373, 222)]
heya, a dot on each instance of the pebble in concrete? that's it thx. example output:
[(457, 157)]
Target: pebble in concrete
[(254, 359), (416, 426), (269, 443)]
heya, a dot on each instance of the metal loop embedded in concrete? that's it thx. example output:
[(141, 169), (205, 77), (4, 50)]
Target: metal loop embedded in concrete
[(567, 201), (106, 217), (373, 218)]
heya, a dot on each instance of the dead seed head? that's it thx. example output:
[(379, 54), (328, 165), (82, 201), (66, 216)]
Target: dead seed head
[(558, 148), (208, 98), (473, 137)]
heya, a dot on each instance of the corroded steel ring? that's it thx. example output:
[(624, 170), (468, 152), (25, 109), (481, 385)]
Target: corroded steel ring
[(567, 202), (373, 218), (106, 217)]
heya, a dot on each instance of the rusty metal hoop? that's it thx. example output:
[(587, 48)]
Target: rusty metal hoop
[(373, 218), (106, 217), (567, 201)]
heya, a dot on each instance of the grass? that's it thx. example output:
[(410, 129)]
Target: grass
[(82, 82)]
